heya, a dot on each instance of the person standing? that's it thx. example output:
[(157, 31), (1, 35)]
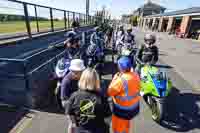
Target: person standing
[(70, 82), (147, 53), (87, 108), (124, 90)]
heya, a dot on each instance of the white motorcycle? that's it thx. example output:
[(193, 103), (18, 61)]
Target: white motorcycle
[(61, 69)]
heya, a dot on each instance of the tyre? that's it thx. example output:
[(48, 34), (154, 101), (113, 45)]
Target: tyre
[(157, 109), (57, 97)]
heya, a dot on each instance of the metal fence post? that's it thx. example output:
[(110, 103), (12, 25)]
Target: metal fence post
[(25, 76), (80, 19), (51, 18), (65, 20), (73, 16), (84, 19), (36, 17), (28, 27), (68, 19)]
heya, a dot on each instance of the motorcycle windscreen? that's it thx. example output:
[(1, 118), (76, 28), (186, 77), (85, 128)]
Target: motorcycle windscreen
[(160, 85)]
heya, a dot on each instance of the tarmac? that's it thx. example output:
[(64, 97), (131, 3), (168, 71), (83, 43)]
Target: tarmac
[(182, 54), (183, 114)]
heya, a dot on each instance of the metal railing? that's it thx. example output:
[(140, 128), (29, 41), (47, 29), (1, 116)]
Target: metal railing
[(19, 77), (37, 19)]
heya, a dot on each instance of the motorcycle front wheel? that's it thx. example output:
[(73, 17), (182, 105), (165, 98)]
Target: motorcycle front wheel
[(57, 97), (157, 110)]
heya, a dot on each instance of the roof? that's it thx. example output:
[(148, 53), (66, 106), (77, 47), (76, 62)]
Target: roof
[(185, 11), (152, 5), (179, 12)]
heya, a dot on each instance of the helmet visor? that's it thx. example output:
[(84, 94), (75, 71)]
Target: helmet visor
[(149, 41)]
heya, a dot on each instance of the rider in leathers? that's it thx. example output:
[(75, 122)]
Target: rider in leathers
[(95, 43), (72, 46), (128, 46), (147, 53), (95, 51), (120, 36), (129, 37)]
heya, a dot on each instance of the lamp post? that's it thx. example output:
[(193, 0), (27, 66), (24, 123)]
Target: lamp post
[(87, 8)]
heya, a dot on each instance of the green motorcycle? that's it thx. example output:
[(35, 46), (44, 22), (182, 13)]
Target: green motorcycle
[(155, 89)]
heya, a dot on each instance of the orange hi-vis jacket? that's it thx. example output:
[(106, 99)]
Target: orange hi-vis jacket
[(124, 89)]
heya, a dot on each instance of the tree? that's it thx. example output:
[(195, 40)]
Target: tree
[(5, 18), (134, 20)]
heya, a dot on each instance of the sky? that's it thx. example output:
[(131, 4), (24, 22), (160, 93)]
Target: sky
[(116, 7)]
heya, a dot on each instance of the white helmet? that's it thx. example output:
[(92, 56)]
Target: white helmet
[(150, 38), (77, 65), (62, 67)]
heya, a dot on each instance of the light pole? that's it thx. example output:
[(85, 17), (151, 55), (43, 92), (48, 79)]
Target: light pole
[(87, 8)]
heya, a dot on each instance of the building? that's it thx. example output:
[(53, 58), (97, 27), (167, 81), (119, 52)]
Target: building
[(187, 22), (149, 9), (126, 18)]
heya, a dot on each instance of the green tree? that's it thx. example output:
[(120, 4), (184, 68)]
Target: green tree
[(134, 20)]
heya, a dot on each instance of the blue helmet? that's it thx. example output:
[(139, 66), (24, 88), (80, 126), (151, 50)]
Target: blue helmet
[(124, 63)]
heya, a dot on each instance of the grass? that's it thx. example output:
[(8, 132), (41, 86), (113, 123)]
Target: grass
[(20, 26)]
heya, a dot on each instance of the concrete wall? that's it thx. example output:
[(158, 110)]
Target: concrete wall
[(160, 24), (144, 24), (185, 24), (154, 22), (170, 23)]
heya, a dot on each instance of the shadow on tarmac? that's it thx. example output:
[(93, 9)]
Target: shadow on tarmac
[(184, 112), (10, 116)]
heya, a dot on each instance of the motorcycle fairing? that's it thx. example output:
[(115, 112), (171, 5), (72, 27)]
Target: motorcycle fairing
[(151, 85)]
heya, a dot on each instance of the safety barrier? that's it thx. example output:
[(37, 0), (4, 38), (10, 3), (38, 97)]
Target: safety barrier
[(19, 19), (26, 82)]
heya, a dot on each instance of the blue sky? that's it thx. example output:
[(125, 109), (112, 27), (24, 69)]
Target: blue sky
[(116, 7)]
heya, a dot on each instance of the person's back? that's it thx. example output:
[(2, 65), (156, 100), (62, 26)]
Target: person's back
[(124, 90), (89, 109), (131, 79)]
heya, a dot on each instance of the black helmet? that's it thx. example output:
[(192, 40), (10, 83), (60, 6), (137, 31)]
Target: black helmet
[(121, 27), (97, 29), (150, 39)]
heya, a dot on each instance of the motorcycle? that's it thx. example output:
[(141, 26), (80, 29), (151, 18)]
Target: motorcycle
[(96, 60), (128, 50), (155, 89)]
